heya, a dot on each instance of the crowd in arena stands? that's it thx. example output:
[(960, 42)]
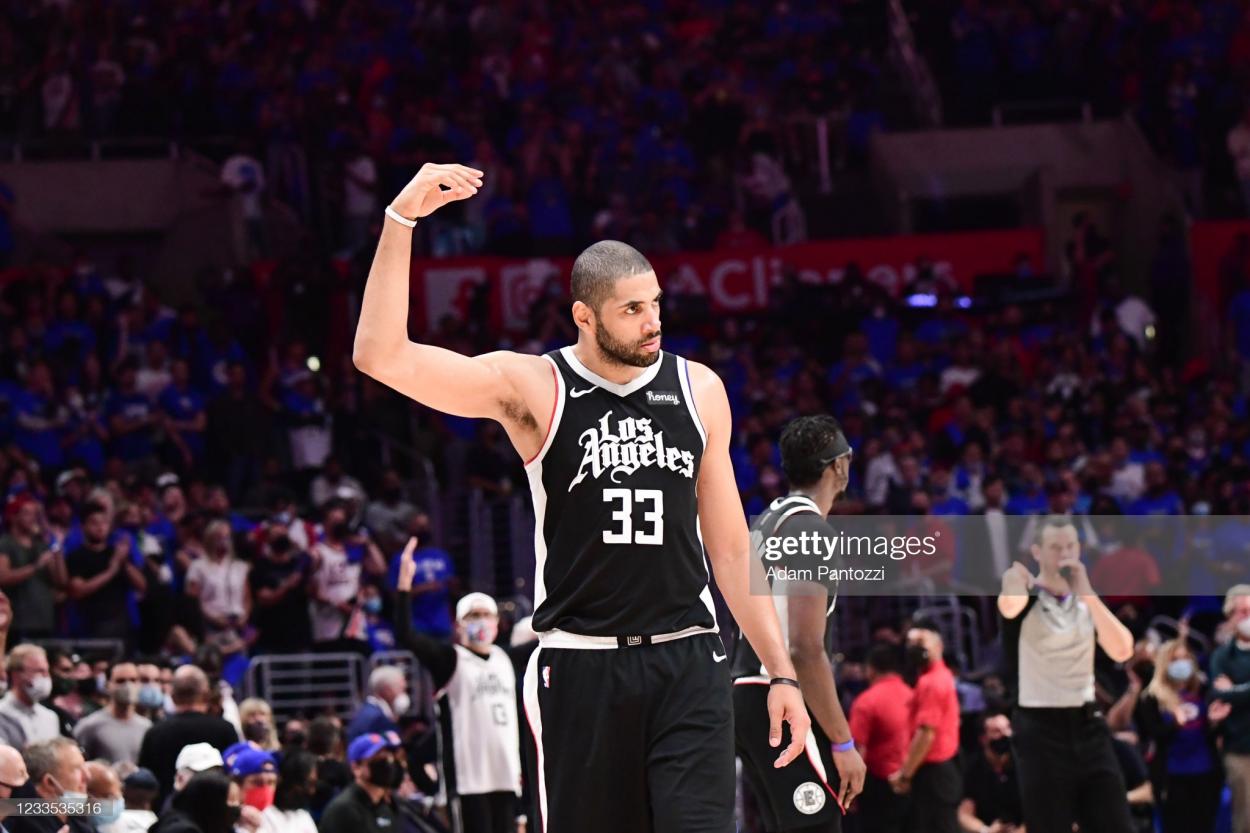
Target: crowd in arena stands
[(188, 470), (1179, 68), (630, 120), (161, 744)]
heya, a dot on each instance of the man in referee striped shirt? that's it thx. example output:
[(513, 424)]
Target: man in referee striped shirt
[(1065, 760)]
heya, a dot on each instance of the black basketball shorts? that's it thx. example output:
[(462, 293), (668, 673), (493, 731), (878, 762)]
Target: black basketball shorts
[(798, 796), (633, 739)]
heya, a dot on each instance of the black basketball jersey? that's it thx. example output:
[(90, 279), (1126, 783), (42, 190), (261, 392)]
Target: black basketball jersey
[(795, 514), (616, 539)]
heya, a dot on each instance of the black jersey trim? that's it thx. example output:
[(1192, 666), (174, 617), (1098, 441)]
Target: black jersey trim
[(641, 381)]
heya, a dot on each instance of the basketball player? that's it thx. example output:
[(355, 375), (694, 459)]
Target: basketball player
[(476, 681), (627, 452), (1065, 760), (816, 459)]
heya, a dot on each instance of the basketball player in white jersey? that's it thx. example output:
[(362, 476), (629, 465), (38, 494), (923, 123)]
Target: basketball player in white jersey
[(627, 452)]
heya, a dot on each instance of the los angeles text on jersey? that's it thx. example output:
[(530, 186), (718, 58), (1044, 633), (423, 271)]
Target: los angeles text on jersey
[(624, 446)]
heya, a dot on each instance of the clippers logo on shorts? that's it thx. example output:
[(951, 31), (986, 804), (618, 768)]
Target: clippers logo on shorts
[(546, 676), (662, 397), (809, 798), (623, 446)]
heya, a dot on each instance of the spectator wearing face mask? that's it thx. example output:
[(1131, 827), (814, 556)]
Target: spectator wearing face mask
[(23, 718), (991, 801), (341, 558), (295, 734), (1173, 716), (256, 773), (105, 787), (377, 630), (210, 803), (13, 776), (256, 718), (482, 758), (930, 771), (388, 700), (1230, 675), (297, 782), (279, 582), (368, 805), (139, 790), (150, 701), (116, 732), (58, 772), (431, 589)]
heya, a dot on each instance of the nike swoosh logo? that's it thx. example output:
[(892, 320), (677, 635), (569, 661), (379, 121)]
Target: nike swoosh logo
[(577, 393), (718, 657)]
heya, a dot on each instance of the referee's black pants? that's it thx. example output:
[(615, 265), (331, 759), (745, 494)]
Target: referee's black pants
[(1068, 772), (936, 791), (881, 810)]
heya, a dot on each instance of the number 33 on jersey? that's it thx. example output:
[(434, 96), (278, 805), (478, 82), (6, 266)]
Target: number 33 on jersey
[(616, 537)]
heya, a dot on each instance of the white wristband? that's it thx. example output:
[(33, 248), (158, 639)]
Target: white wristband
[(400, 218)]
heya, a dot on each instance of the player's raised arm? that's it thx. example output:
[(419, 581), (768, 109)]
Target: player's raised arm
[(728, 544), (480, 386)]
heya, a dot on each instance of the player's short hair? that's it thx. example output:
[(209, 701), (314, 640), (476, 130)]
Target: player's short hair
[(599, 266), (806, 444), (1051, 522)]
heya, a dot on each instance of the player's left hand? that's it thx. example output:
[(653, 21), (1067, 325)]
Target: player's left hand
[(785, 705), (851, 774), (1078, 578)]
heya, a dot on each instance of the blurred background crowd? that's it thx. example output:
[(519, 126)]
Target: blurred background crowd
[(203, 478)]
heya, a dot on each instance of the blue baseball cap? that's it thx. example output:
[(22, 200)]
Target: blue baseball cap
[(252, 762), (368, 745), (234, 751)]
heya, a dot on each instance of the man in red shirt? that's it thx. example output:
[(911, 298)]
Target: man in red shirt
[(930, 772), (881, 725)]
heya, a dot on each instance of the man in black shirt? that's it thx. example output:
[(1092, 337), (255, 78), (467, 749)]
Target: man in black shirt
[(101, 578), (367, 806), (189, 724), (279, 578), (991, 794)]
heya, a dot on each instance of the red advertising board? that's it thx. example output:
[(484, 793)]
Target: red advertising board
[(734, 281)]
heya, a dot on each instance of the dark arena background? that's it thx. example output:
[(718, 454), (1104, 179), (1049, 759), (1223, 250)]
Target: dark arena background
[(1003, 242)]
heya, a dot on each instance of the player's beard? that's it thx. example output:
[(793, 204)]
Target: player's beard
[(614, 351)]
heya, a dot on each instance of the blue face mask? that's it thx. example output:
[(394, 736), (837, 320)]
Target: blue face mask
[(150, 696), (112, 812), (373, 605), (1180, 670)]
